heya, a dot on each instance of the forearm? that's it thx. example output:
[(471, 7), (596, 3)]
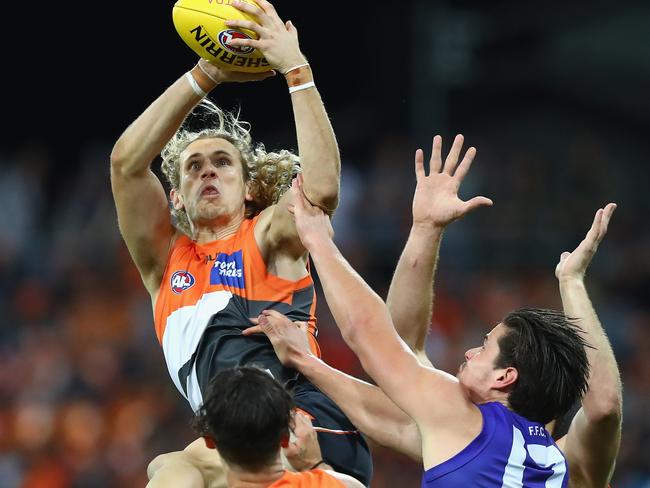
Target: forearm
[(143, 140), (365, 324), (366, 405), (604, 394), (410, 296), (319, 154), (355, 306)]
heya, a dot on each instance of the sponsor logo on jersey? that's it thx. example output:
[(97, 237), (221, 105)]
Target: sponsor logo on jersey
[(228, 270), (181, 281)]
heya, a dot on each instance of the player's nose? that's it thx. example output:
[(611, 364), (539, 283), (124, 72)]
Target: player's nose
[(470, 353), (208, 172)]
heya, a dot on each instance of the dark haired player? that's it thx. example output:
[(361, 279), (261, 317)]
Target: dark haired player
[(247, 417), (499, 402)]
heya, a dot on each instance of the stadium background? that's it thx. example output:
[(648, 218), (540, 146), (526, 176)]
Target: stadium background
[(553, 96)]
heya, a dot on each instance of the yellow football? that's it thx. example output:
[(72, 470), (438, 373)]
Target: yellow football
[(202, 25)]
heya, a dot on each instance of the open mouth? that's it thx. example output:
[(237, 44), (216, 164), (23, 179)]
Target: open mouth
[(209, 190)]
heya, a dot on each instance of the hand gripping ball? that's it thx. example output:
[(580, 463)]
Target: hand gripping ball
[(201, 24)]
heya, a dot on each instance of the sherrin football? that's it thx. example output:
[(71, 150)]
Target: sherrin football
[(202, 25)]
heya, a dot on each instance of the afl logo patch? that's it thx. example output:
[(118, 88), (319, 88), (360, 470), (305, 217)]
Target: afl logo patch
[(181, 281), (228, 35)]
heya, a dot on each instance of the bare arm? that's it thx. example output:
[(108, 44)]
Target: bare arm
[(140, 200), (366, 327), (593, 440), (142, 206), (435, 205), (319, 154), (367, 407)]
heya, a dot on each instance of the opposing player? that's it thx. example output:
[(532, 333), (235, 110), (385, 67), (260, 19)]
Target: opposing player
[(247, 417), (530, 369), (410, 301), (231, 249), (592, 444)]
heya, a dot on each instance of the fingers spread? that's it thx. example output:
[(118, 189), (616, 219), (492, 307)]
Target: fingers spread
[(477, 202), (435, 163), (465, 164), (454, 153), (419, 164)]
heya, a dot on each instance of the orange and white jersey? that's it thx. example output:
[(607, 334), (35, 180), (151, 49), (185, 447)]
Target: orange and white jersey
[(207, 296), (316, 478)]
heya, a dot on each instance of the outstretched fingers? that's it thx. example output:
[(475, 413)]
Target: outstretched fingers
[(465, 164), (419, 165), (475, 203), (607, 215), (435, 163), (454, 154)]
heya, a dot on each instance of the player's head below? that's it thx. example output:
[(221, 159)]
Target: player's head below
[(246, 415), (216, 172), (535, 360)]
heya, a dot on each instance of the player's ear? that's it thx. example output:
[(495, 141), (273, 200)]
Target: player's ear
[(176, 198), (209, 442), (284, 442), (248, 186), (506, 378)]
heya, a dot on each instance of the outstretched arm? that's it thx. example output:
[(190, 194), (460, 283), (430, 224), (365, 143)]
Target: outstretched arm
[(319, 154), (142, 206), (435, 206), (367, 407), (593, 440), (366, 327)]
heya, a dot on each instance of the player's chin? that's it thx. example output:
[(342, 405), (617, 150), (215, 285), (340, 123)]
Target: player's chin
[(208, 210), (460, 369)]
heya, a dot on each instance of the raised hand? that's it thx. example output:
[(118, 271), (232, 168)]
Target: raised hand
[(289, 339), (311, 222), (574, 264), (436, 200), (277, 40)]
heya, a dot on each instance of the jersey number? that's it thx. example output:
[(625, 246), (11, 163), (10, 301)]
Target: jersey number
[(548, 457)]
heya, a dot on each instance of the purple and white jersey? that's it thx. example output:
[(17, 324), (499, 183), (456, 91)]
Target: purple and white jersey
[(510, 452)]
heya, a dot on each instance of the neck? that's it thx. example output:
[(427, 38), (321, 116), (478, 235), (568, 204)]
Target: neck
[(216, 230), (238, 477)]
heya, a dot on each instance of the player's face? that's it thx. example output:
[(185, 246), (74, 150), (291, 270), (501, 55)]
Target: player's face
[(212, 181), (478, 373)]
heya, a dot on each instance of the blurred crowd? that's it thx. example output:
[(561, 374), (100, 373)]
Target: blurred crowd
[(85, 397)]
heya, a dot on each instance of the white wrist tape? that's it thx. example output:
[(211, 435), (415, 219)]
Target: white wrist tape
[(304, 86), (295, 67), (195, 86)]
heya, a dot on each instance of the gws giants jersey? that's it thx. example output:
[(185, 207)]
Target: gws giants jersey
[(307, 479), (510, 452), (207, 295)]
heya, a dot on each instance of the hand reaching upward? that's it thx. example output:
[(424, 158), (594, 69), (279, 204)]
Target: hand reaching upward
[(436, 200)]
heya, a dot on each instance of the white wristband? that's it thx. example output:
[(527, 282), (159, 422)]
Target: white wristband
[(296, 67), (304, 86), (207, 74), (195, 86)]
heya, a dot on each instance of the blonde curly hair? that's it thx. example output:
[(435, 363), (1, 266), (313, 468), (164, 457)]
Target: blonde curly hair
[(269, 173)]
